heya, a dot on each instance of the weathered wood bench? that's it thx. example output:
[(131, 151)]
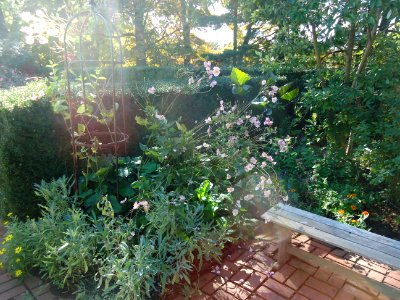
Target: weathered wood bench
[(287, 219)]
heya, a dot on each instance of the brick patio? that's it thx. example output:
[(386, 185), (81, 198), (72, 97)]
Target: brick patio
[(244, 274)]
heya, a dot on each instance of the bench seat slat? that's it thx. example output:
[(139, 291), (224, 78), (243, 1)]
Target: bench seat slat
[(352, 245), (351, 235), (346, 228)]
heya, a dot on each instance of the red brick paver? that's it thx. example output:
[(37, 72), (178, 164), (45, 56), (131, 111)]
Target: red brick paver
[(252, 277)]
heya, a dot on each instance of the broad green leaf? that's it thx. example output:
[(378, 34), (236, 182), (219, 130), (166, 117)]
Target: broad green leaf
[(284, 89), (150, 167), (117, 207), (81, 109), (81, 128), (291, 95), (239, 77)]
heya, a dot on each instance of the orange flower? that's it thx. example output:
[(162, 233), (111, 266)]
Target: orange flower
[(365, 213), (353, 207), (341, 211), (353, 221), (351, 196)]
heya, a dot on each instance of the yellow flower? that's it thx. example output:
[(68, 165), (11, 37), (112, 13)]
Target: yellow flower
[(341, 211), (9, 237), (351, 196), (18, 273), (17, 260), (6, 223), (18, 249), (9, 214), (353, 207), (2, 251), (353, 221)]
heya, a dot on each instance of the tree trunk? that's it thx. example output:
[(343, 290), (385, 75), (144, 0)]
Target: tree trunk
[(235, 30), (246, 41), (317, 53), (140, 34), (187, 49), (349, 54), (371, 35)]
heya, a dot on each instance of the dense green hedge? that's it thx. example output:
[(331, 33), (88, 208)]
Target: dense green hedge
[(32, 148)]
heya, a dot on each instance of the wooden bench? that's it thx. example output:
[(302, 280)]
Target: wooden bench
[(286, 219)]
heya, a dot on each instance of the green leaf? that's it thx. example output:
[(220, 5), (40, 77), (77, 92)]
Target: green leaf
[(141, 121), (150, 167), (81, 128), (117, 207), (81, 109), (102, 172), (284, 89), (181, 127), (203, 189), (239, 77), (93, 200), (291, 95)]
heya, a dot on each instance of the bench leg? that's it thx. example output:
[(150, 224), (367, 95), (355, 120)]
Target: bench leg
[(284, 239)]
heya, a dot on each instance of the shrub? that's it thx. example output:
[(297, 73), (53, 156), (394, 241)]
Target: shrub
[(180, 202), (32, 147)]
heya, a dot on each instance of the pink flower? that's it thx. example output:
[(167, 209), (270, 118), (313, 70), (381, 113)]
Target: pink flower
[(160, 117), (239, 122), (274, 99), (216, 71), (230, 189), (208, 120), (228, 176), (269, 158), (263, 82), (207, 64), (249, 167), (235, 212), (255, 121), (274, 88), (267, 194), (268, 122), (182, 198), (253, 160), (282, 145), (213, 84), (232, 140), (263, 164), (271, 93), (209, 131), (145, 205), (248, 197), (191, 80), (152, 90)]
